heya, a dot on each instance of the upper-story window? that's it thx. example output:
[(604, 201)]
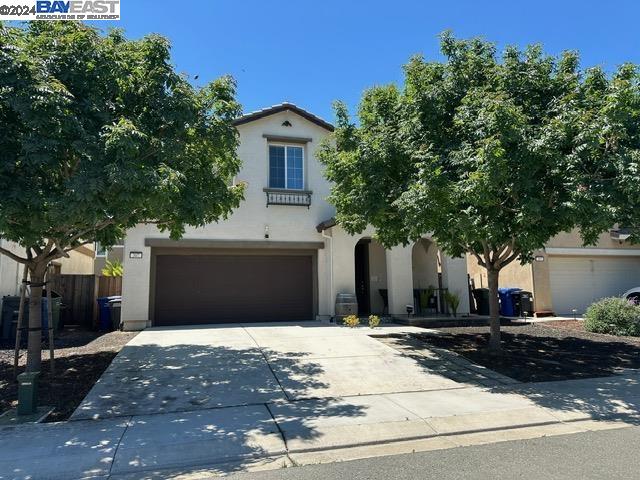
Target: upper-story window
[(286, 167), (102, 251)]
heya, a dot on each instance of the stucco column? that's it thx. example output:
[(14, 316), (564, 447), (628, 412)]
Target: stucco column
[(342, 265), (399, 279), (136, 282), (454, 277), (323, 266)]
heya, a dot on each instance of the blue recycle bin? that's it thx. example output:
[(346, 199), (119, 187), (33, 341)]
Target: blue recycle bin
[(104, 312), (507, 306)]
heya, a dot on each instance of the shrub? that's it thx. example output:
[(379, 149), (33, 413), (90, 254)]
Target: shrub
[(374, 321), (113, 269), (351, 321), (453, 300), (615, 316)]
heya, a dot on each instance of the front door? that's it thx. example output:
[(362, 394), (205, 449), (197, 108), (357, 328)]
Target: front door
[(362, 277)]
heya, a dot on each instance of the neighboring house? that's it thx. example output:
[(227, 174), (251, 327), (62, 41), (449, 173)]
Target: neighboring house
[(113, 254), (565, 276), (80, 261), (280, 256)]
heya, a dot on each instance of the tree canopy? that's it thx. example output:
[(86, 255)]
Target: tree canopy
[(99, 133), (491, 155)]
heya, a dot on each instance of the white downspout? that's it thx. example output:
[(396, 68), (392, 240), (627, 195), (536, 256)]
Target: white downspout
[(330, 238)]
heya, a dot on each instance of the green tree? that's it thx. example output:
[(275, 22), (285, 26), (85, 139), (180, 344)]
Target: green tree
[(99, 133), (491, 156)]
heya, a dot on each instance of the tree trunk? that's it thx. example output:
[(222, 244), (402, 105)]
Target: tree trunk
[(34, 345), (494, 311)]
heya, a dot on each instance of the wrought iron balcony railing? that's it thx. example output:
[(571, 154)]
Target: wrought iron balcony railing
[(279, 196)]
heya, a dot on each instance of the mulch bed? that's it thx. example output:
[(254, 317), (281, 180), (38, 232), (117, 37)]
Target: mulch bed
[(81, 356), (542, 352)]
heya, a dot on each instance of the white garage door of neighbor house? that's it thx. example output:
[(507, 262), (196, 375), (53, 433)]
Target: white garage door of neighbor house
[(577, 282)]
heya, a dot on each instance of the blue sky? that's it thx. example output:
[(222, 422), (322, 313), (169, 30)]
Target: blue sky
[(314, 52)]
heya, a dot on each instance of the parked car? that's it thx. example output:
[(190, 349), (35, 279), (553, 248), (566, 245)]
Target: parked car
[(632, 295)]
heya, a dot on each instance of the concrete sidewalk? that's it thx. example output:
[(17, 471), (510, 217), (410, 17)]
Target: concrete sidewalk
[(276, 435), (247, 397)]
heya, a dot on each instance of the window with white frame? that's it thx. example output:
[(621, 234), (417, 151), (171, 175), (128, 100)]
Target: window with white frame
[(101, 251), (286, 167)]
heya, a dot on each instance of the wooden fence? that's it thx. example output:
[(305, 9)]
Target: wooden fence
[(79, 293), (78, 298), (108, 286)]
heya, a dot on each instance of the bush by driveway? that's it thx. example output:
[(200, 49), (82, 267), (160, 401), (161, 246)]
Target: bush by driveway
[(614, 316)]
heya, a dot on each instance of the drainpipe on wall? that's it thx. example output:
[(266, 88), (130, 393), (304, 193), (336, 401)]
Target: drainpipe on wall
[(328, 237)]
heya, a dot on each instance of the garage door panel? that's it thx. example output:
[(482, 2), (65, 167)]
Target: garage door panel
[(577, 282), (199, 289)]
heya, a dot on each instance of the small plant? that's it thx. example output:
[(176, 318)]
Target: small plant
[(453, 301), (351, 321), (374, 321), (615, 316), (113, 269)]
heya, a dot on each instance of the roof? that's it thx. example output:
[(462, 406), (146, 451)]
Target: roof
[(322, 226), (283, 107)]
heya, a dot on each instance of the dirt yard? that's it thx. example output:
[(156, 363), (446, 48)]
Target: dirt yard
[(539, 352), (80, 358)]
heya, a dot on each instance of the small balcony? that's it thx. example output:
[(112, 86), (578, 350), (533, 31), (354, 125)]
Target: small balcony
[(279, 196)]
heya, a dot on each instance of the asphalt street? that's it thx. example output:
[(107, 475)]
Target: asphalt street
[(610, 454)]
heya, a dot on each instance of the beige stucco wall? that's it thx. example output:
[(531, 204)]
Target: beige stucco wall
[(11, 271), (424, 257), (513, 275), (115, 253), (572, 240), (248, 222), (535, 276), (78, 263), (335, 262)]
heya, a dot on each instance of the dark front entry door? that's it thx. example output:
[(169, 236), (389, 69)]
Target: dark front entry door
[(362, 278), (200, 289)]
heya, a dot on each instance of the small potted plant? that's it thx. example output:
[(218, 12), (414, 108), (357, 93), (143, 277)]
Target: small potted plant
[(374, 321)]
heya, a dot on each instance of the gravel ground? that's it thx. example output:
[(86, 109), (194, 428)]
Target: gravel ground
[(81, 356), (544, 351)]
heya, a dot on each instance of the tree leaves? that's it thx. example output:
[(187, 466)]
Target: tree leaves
[(99, 133), (491, 153)]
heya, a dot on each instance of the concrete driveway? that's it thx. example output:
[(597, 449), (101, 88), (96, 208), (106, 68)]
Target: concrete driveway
[(165, 370), (243, 397)]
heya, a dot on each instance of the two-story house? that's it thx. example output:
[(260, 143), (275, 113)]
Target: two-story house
[(280, 256)]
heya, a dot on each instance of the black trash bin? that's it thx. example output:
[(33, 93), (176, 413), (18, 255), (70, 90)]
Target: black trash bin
[(115, 306), (523, 303), (481, 297)]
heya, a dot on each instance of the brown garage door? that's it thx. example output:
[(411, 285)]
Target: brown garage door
[(200, 289)]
